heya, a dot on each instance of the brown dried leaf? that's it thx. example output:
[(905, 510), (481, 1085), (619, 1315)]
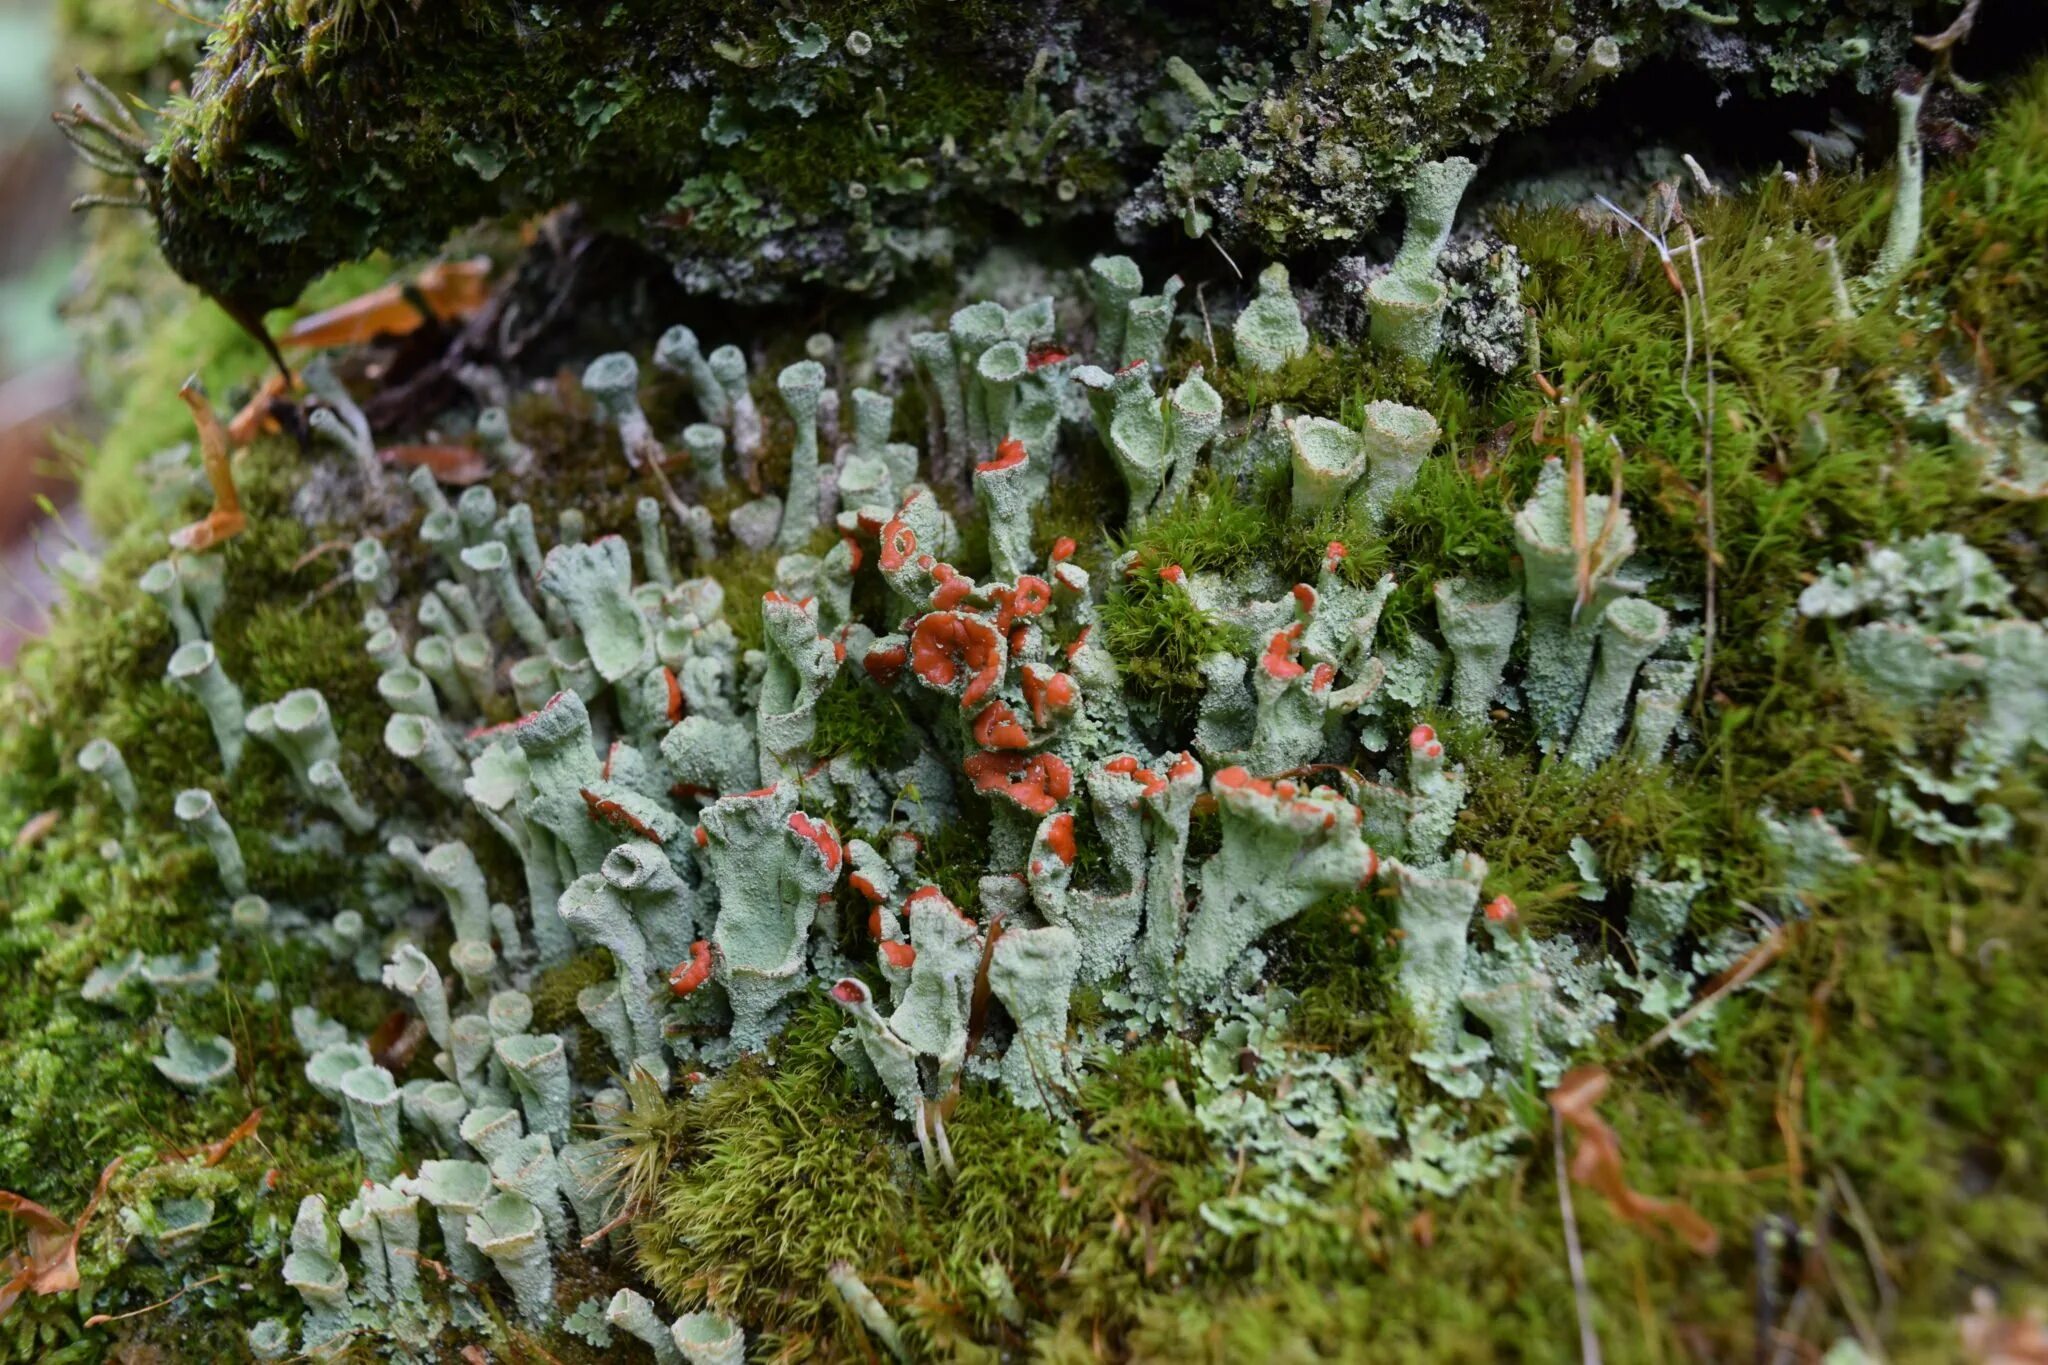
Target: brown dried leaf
[(451, 464), (452, 289), (217, 1152), (396, 1039), (51, 1266), (1597, 1162)]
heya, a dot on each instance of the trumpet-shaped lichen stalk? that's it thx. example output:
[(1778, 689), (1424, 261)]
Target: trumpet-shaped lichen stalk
[(413, 975), (1007, 492), (528, 1169), (1270, 332), (1283, 846), (204, 578), (1434, 912), (1666, 683), (933, 352), (632, 1313), (101, 759), (494, 562), (369, 568), (662, 904), (1329, 458), (437, 1110), (1408, 301), (508, 452), (1396, 440), (773, 864), (397, 1216), (705, 445), (594, 582), (613, 384), (476, 962), (1603, 59), (468, 1058), (653, 543), (707, 1338), (314, 1270), (590, 1180), (1147, 321), (800, 666), (508, 1230), (801, 385), (457, 1190), (1631, 630), (1478, 622), (1566, 592), (729, 364), (1113, 282), (373, 1114), (420, 741), (197, 811), (195, 670), (492, 1129), (539, 1070), (453, 871), (477, 510), (434, 655), (161, 583), (678, 353), (597, 914), (1902, 230), (408, 691), (1032, 972)]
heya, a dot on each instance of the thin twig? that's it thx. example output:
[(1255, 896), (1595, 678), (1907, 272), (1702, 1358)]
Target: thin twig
[(1699, 276), (1582, 1294), (1208, 333), (1758, 958), (1211, 240), (1873, 1249), (101, 1319)]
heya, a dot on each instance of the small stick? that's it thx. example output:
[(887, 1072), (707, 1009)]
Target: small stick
[(1582, 1294)]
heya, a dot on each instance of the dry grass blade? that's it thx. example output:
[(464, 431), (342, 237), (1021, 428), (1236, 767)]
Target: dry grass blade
[(1575, 1256), (1734, 978), (1582, 560)]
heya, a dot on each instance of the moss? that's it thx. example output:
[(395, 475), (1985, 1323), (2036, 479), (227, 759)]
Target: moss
[(764, 130), (1891, 1054), (554, 991), (863, 722), (1986, 241), (779, 1175)]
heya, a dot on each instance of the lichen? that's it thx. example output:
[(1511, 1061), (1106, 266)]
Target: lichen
[(1182, 1091)]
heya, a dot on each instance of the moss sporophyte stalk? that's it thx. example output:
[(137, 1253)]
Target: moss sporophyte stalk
[(782, 765)]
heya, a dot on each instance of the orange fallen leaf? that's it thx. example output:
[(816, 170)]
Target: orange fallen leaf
[(455, 465), (452, 289), (51, 1266), (1597, 1162), (217, 1152), (36, 829)]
